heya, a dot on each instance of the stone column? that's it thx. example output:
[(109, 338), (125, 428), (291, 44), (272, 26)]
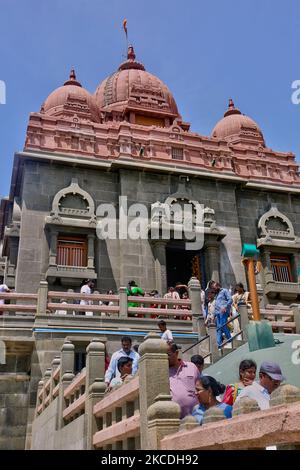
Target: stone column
[(123, 302), (212, 259), (67, 358), (197, 313), (91, 251), (65, 381), (243, 311), (54, 365), (163, 419), (95, 394), (284, 395), (159, 247), (213, 345), (42, 298), (53, 248), (153, 377), (94, 362)]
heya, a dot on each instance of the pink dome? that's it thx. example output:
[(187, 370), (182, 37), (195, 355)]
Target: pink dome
[(233, 123), (132, 87), (72, 90)]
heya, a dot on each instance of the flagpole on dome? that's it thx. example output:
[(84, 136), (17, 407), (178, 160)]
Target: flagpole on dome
[(126, 34)]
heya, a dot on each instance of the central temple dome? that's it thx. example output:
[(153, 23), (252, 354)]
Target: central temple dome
[(133, 91)]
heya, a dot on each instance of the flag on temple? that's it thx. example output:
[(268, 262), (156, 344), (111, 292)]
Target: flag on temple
[(125, 26)]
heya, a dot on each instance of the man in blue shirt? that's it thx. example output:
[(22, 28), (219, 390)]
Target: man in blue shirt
[(223, 303), (126, 351)]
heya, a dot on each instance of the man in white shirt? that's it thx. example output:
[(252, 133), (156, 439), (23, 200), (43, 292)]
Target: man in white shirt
[(166, 334), (3, 288), (270, 377), (172, 294), (126, 351)]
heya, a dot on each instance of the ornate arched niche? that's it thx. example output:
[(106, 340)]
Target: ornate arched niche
[(73, 206)]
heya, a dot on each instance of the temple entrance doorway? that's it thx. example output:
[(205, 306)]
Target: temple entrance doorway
[(183, 264)]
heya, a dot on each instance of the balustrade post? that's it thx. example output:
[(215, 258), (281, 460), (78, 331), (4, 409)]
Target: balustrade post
[(39, 388), (243, 311), (196, 307), (54, 365), (284, 395), (94, 362), (163, 418), (213, 345), (153, 378), (65, 381), (67, 358), (123, 302), (42, 299), (95, 394), (296, 312)]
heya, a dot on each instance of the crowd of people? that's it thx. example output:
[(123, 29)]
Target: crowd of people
[(193, 390), (219, 305)]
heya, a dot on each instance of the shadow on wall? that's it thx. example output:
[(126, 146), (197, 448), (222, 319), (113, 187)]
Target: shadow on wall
[(227, 276)]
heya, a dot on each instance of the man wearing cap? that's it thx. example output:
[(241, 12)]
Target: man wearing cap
[(270, 377)]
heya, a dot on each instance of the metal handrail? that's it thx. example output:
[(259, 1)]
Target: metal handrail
[(198, 342), (229, 321), (230, 339)]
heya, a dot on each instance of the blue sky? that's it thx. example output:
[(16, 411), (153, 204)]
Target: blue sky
[(205, 51)]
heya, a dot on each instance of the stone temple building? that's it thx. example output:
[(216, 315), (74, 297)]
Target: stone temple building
[(128, 140)]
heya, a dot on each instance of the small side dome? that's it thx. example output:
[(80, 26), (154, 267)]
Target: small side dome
[(235, 126), (71, 98)]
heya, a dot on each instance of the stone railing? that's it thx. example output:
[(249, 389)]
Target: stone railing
[(249, 428), (128, 417), (282, 320), (19, 304), (140, 414), (48, 387)]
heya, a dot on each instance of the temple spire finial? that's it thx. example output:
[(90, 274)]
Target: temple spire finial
[(231, 108), (72, 79), (131, 53)]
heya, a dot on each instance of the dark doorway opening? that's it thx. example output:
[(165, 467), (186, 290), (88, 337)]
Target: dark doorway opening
[(183, 264)]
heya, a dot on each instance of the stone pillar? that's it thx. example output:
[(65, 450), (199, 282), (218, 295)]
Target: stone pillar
[(94, 362), (123, 302), (39, 388), (53, 248), (296, 312), (212, 259), (91, 251), (54, 365), (47, 376), (163, 418), (243, 311), (196, 305), (67, 358), (284, 395), (65, 381), (95, 394), (153, 377), (160, 263), (213, 345), (42, 300)]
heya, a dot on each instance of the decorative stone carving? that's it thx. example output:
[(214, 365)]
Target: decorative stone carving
[(73, 203), (274, 224)]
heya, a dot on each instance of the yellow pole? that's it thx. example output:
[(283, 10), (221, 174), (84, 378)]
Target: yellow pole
[(252, 288)]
